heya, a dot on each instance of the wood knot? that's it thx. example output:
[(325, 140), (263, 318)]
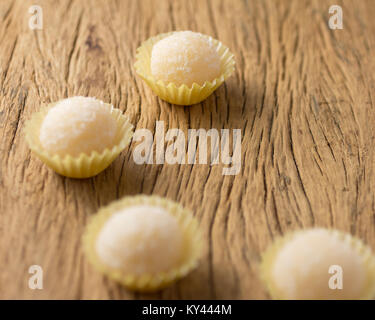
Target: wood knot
[(93, 42)]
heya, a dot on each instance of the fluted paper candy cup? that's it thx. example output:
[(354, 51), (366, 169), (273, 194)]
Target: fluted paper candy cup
[(146, 282)]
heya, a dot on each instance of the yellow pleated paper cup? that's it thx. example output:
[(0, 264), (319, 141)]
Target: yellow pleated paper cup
[(181, 95), (192, 247), (84, 165), (268, 259)]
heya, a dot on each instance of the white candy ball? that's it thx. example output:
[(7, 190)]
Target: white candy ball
[(300, 268), (77, 125), (140, 239), (184, 58)]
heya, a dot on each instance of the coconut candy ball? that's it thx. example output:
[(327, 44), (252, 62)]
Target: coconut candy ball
[(301, 267), (185, 57), (77, 125), (140, 239)]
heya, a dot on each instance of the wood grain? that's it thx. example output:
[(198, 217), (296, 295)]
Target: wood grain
[(302, 94)]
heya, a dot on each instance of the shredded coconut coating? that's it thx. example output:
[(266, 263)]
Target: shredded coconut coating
[(140, 239), (184, 58), (77, 125), (300, 269)]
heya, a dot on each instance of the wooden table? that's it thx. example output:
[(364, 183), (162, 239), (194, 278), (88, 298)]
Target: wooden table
[(302, 94)]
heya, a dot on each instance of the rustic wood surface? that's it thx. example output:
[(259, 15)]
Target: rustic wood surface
[(302, 94)]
